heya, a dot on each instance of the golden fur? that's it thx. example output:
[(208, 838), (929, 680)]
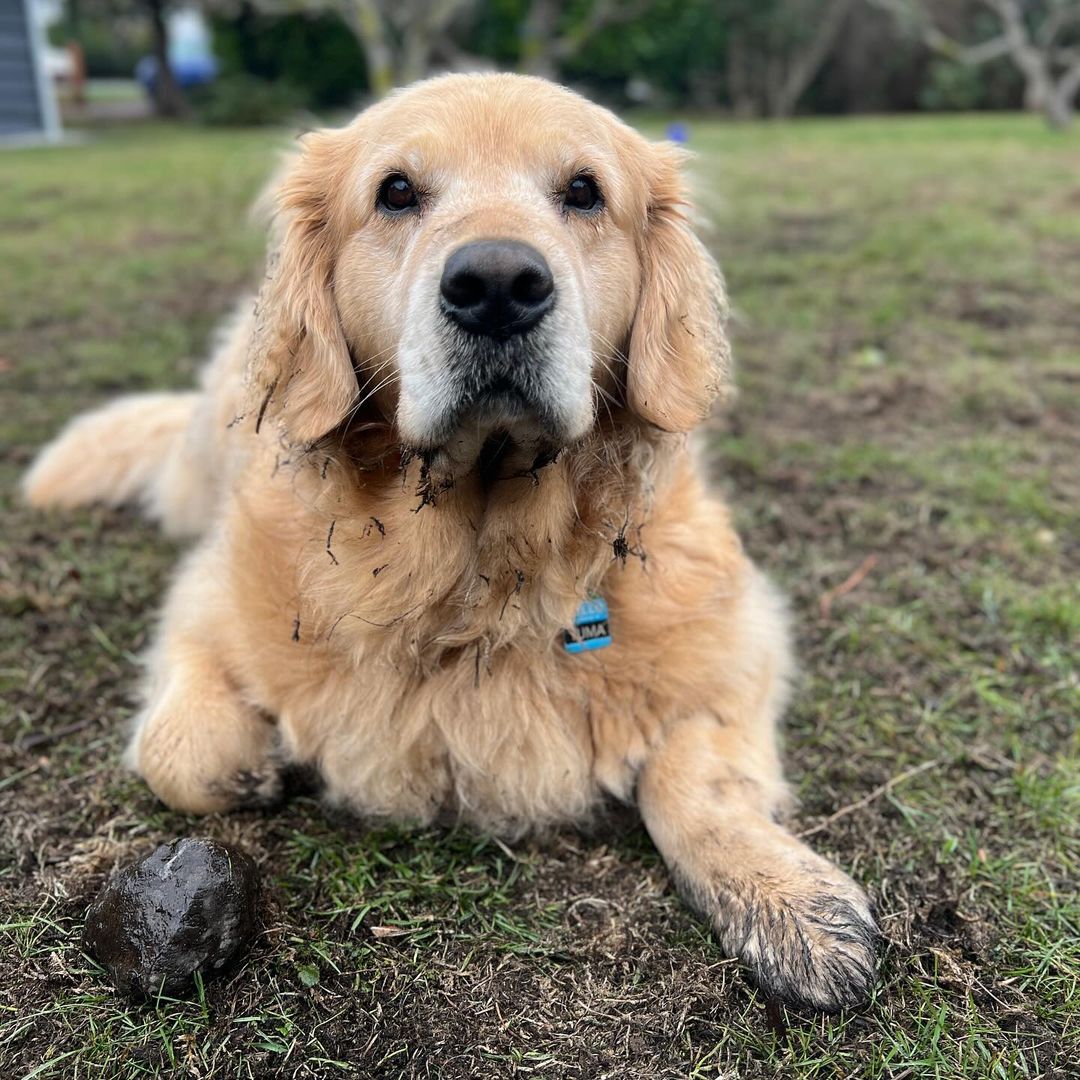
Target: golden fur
[(394, 618)]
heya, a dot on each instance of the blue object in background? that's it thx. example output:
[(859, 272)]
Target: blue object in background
[(678, 132), (187, 73), (191, 57)]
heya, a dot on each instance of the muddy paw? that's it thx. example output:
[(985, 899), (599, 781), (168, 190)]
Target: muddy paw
[(805, 930), (248, 789), (817, 951), (207, 756)]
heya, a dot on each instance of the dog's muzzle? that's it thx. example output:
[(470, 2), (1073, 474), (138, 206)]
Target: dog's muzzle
[(507, 355)]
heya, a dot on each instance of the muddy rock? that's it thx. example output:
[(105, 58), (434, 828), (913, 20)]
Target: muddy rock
[(188, 906)]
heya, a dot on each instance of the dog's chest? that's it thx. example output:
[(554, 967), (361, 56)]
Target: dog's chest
[(429, 671), (517, 740)]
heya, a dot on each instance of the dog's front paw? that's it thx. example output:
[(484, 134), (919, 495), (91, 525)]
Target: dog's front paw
[(204, 755), (803, 927), (249, 789), (810, 941), (817, 951)]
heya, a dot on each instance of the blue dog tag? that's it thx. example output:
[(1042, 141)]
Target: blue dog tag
[(591, 629)]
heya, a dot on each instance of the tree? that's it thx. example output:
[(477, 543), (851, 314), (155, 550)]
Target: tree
[(1040, 37), (400, 38), (777, 48), (549, 39), (168, 97)]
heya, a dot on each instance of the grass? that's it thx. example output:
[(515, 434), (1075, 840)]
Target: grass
[(909, 344)]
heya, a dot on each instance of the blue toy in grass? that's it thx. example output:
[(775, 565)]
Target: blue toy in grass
[(678, 132)]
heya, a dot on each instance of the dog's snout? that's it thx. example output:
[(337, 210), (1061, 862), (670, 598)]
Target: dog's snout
[(497, 288)]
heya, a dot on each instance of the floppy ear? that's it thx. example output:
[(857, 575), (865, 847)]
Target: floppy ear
[(679, 356), (300, 370)]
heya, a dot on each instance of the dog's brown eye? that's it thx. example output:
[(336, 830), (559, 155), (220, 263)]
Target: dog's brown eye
[(397, 194), (581, 194)]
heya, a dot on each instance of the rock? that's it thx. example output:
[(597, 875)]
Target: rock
[(189, 906)]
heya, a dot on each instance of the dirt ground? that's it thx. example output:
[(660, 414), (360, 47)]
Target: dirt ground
[(903, 461)]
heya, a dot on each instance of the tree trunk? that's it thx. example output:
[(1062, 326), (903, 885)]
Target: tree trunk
[(803, 68), (742, 98), (1034, 96), (415, 54), (1059, 113), (1042, 94), (1035, 62), (538, 36), (1061, 99), (1038, 85), (774, 75), (366, 21), (168, 97), (421, 37)]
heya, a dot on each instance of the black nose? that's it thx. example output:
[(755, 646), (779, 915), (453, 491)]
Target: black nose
[(497, 288)]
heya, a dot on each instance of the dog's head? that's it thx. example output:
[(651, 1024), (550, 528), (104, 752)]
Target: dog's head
[(487, 253)]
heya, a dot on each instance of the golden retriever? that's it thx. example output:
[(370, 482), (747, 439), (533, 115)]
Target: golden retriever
[(456, 419)]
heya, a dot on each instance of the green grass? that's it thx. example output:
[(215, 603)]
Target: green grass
[(908, 339)]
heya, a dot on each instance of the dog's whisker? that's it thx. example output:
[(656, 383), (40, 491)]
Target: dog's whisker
[(355, 410), (606, 399)]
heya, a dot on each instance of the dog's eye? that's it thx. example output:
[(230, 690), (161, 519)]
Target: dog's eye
[(581, 194), (397, 193)]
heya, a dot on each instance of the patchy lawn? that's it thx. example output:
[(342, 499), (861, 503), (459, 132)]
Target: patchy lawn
[(903, 459)]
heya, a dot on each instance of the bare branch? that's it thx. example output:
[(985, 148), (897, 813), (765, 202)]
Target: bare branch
[(1011, 15), (936, 39), (972, 55), (1069, 84), (1032, 53), (602, 14), (1060, 19)]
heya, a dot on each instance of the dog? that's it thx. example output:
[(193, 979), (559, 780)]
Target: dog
[(455, 550)]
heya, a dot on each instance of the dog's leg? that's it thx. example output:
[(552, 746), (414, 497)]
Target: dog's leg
[(707, 795), (197, 742)]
